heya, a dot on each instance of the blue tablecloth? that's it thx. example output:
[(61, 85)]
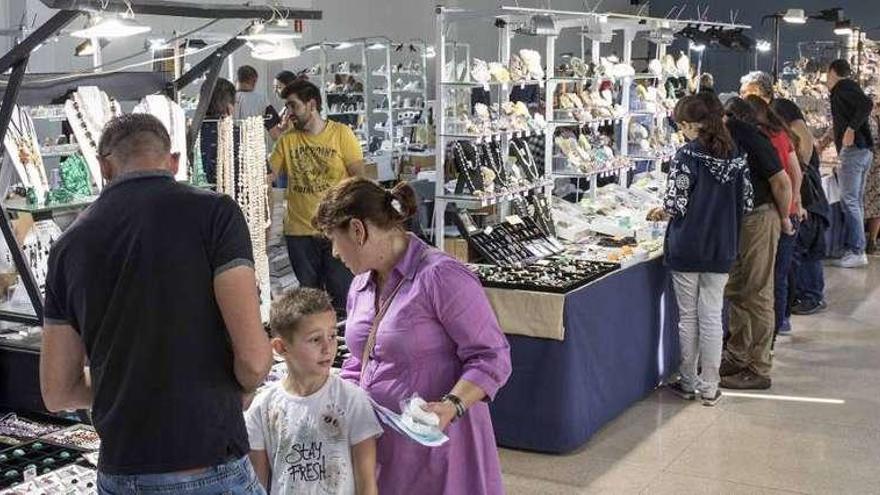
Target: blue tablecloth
[(621, 339)]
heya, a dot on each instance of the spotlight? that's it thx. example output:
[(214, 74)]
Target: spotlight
[(695, 34), (763, 46), (376, 46), (87, 49), (736, 40)]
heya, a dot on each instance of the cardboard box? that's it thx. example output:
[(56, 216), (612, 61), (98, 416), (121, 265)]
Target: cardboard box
[(371, 171), (413, 164), (458, 248)]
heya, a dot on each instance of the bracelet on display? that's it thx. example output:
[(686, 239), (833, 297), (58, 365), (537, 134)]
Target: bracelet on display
[(459, 405)]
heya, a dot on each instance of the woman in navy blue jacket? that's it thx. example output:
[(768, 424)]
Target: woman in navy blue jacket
[(708, 192)]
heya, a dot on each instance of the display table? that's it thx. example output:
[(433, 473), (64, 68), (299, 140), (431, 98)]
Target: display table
[(620, 340)]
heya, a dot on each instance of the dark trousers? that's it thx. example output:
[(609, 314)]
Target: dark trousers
[(782, 270), (809, 279), (315, 266)]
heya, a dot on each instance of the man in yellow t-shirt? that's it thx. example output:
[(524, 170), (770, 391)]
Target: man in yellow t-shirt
[(315, 154)]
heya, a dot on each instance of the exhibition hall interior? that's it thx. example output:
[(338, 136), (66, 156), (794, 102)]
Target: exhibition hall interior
[(440, 247)]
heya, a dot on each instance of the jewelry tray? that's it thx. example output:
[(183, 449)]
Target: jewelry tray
[(557, 275), (514, 242), (40, 456)]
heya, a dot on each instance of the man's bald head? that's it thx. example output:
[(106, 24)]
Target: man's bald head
[(137, 141)]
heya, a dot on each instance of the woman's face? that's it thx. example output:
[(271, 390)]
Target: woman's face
[(690, 130), (279, 87), (348, 246)]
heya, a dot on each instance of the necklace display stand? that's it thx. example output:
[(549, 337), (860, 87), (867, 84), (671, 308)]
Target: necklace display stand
[(173, 118), (21, 139), (88, 111)]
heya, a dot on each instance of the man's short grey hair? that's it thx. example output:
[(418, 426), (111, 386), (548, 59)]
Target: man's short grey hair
[(132, 135), (762, 80)]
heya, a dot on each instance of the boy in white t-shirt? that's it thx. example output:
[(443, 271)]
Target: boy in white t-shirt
[(311, 432)]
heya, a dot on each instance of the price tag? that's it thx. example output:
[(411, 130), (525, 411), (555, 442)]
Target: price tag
[(504, 87), (495, 138), (514, 220), (486, 86), (528, 133), (522, 86)]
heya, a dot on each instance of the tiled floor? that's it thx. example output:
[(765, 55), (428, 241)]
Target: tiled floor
[(748, 445)]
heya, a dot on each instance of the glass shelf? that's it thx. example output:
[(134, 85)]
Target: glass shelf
[(355, 112), (471, 201), (344, 93), (506, 84), (594, 122), (576, 174), (61, 150), (495, 136), (21, 205)]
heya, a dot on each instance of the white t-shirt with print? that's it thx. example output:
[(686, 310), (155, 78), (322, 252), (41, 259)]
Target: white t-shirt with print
[(308, 439)]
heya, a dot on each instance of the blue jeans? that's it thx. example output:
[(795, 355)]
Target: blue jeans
[(854, 166), (809, 280), (315, 266), (234, 478), (784, 255)]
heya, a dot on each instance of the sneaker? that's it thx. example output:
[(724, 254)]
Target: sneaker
[(678, 389), (851, 260), (710, 401), (728, 367), (806, 308), (784, 329), (746, 380)]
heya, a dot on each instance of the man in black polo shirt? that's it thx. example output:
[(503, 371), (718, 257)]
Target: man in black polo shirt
[(153, 286), (850, 111)]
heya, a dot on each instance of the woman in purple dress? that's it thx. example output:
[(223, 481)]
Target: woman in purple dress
[(418, 323)]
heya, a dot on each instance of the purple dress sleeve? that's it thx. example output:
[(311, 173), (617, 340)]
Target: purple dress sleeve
[(464, 311)]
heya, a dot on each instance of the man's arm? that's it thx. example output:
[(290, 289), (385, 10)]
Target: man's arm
[(363, 460), (236, 293), (861, 107), (64, 381), (356, 169), (780, 186)]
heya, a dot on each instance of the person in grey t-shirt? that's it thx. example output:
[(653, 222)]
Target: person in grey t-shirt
[(248, 103)]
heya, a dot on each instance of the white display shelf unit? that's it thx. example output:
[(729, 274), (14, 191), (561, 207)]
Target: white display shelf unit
[(625, 25)]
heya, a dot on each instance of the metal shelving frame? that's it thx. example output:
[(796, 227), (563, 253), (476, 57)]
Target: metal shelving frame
[(16, 61)]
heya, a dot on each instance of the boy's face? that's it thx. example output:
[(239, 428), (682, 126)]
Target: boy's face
[(313, 348)]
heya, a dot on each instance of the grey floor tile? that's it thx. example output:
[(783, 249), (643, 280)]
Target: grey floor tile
[(679, 484)]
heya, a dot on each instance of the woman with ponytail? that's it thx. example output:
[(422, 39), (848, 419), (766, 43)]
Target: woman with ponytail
[(707, 195), (419, 323)]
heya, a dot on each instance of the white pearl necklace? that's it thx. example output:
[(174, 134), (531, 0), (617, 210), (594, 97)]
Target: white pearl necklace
[(249, 190)]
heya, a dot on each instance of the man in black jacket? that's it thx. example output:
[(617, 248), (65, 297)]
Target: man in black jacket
[(850, 109)]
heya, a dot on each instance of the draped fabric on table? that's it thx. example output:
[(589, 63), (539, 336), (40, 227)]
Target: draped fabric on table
[(621, 339)]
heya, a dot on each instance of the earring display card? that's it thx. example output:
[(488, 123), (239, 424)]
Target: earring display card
[(32, 459), (557, 275), (515, 241), (71, 479)]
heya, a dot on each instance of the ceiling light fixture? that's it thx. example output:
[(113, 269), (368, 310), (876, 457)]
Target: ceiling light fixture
[(273, 32), (795, 16), (344, 45), (274, 50), (763, 46), (111, 27), (376, 46)]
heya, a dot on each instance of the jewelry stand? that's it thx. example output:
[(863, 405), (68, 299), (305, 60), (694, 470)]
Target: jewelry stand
[(24, 151), (88, 111), (173, 118)]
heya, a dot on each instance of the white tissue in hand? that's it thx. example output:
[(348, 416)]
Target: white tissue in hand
[(417, 419)]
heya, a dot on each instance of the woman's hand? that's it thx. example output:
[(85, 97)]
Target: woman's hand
[(657, 215), (444, 410)]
